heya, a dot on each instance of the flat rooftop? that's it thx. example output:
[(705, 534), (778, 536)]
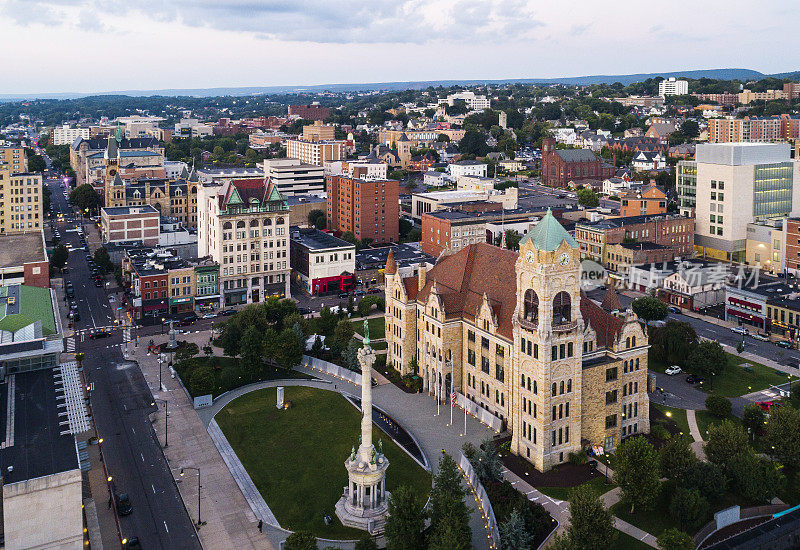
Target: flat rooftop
[(314, 239), (404, 254), (21, 248), (35, 446), (125, 210)]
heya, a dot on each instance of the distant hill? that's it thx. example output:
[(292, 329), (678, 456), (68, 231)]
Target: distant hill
[(722, 74)]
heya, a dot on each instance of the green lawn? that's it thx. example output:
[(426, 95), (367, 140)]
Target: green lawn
[(377, 328), (736, 381), (296, 456), (598, 485), (676, 415), (654, 521), (706, 419), (627, 542)]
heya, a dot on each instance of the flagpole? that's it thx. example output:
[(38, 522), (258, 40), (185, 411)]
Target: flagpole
[(465, 414), (452, 396)]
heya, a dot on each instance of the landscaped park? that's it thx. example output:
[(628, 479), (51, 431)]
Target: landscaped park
[(295, 456)]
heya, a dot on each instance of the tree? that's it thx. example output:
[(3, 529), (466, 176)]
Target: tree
[(443, 138), (448, 535), (588, 198), (366, 542), (513, 535), (201, 381), (342, 335), (85, 198), (672, 343), (591, 525), (447, 504), (688, 507), (35, 162), (650, 309), (512, 239), (676, 458), (252, 349), (473, 143), (289, 352), (753, 477), (706, 478), (403, 529), (708, 359), (405, 227), (350, 356), (103, 260), (59, 258), (300, 540), (753, 420), (637, 472), (317, 218), (718, 405), (783, 436), (674, 539), (487, 463), (690, 129), (725, 440)]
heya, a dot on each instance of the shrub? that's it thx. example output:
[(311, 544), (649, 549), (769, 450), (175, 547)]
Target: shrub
[(706, 478), (659, 431), (578, 458), (688, 507), (718, 405), (202, 381)]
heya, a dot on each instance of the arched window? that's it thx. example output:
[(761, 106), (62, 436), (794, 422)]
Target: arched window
[(267, 221), (628, 342), (240, 225), (562, 311), (279, 221), (555, 389), (253, 223), (561, 390), (227, 225), (531, 306), (637, 364), (633, 341), (569, 385)]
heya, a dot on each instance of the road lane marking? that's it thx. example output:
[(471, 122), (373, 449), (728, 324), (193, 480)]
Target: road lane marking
[(165, 527)]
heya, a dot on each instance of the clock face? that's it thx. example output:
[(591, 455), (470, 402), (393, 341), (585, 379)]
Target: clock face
[(530, 257), (563, 259)]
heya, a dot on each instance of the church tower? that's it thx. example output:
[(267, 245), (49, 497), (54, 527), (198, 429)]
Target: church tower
[(548, 343), (113, 186)]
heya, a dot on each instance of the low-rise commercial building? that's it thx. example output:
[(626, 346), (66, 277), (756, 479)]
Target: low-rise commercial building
[(467, 168), (191, 127), (766, 243), (643, 201), (23, 260), (746, 300), (292, 177), (321, 263), (129, 223)]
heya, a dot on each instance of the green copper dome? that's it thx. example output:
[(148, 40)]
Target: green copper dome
[(548, 234)]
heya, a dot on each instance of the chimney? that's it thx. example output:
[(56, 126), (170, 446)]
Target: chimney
[(421, 272)]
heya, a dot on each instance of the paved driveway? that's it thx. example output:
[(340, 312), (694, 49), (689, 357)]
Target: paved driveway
[(677, 392)]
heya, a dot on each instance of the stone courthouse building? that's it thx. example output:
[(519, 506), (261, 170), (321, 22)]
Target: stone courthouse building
[(513, 333)]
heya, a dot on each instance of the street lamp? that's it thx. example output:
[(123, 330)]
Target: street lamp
[(199, 523), (166, 418), (162, 325)]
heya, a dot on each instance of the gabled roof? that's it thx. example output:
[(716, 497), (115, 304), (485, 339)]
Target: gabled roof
[(611, 300), (576, 155), (548, 234), (606, 326)]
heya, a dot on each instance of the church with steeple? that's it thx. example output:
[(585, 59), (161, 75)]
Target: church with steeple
[(513, 333)]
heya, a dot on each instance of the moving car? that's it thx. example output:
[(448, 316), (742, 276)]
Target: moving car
[(694, 378), (784, 344), (100, 334), (673, 309), (358, 292), (673, 370), (124, 504), (227, 312), (739, 330), (211, 315)]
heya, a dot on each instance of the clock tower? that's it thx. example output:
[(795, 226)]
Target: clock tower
[(548, 344)]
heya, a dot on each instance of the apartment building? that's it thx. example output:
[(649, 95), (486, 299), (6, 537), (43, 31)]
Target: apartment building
[(13, 158), (792, 245), (368, 169), (753, 129), (467, 168), (20, 202), (321, 263), (673, 86), (419, 138), (513, 335), (738, 184), (370, 209), (641, 202), (243, 225), (316, 152), (319, 131), (670, 230), (130, 223), (748, 96), (309, 112), (66, 134), (473, 101), (292, 177)]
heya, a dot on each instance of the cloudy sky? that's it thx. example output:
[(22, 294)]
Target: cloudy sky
[(51, 46)]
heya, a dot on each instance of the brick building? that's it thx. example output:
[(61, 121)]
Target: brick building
[(560, 166), (670, 230), (792, 254), (640, 202), (130, 223), (370, 209), (309, 112), (514, 335)]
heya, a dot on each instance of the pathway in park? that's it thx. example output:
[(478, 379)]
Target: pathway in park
[(697, 444)]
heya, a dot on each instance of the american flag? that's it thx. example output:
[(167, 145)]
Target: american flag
[(453, 399)]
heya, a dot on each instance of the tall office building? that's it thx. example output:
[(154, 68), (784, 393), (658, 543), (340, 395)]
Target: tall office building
[(370, 209), (737, 184), (672, 86)]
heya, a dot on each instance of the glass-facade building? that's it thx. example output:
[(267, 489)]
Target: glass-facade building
[(686, 186), (772, 190)]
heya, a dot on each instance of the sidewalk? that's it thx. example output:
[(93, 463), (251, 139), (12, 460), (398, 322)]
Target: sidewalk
[(697, 444), (229, 522)]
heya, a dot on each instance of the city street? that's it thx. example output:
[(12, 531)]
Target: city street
[(121, 403)]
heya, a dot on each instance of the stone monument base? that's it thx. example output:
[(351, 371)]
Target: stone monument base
[(372, 520)]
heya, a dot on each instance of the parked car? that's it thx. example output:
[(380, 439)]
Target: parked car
[(739, 330), (761, 336), (344, 294), (374, 291), (133, 544), (227, 312), (98, 283), (100, 334), (124, 504), (673, 309), (784, 344), (694, 379), (673, 370), (767, 405), (211, 315), (358, 292), (303, 311)]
